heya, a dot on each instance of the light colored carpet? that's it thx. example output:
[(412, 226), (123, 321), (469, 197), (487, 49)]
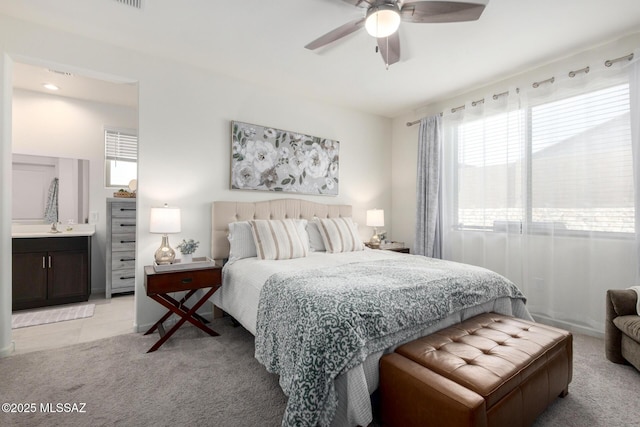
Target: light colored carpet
[(192, 380), (601, 393), (41, 317), (199, 380)]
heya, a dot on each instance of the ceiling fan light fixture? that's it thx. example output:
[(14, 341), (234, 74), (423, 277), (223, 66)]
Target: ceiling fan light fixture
[(382, 20)]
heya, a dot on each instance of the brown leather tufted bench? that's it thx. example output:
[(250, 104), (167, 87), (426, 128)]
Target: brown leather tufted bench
[(490, 370)]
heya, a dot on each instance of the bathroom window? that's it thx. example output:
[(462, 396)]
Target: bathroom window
[(121, 157)]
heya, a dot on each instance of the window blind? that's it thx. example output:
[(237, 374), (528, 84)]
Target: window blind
[(120, 145), (560, 165), (581, 162), (490, 162)]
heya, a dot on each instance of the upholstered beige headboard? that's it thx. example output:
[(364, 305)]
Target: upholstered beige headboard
[(222, 213)]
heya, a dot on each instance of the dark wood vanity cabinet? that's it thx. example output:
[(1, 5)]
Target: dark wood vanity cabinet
[(50, 271)]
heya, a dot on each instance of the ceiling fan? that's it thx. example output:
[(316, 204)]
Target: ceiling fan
[(383, 18)]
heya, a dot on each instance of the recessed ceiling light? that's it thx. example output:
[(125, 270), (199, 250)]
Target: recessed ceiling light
[(50, 86)]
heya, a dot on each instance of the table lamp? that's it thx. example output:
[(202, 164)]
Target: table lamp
[(163, 221), (375, 218)]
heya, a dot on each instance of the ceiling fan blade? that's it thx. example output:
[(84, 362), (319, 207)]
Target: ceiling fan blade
[(361, 3), (390, 48), (336, 34), (440, 11)]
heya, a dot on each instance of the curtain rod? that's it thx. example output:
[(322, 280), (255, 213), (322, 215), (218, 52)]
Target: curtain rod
[(610, 62), (462, 107), (607, 63), (415, 122)]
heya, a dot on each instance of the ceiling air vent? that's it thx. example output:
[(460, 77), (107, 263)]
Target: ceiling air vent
[(133, 3), (62, 73)]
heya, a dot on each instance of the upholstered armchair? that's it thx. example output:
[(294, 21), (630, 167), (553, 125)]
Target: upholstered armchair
[(622, 327)]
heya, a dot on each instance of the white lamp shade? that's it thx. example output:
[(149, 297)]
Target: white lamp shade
[(382, 21), (375, 218), (165, 220)]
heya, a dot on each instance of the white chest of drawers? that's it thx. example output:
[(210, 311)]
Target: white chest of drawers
[(121, 245)]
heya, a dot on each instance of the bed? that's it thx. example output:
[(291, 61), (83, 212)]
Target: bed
[(328, 365)]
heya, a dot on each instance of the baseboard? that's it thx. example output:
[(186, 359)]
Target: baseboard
[(7, 351), (569, 326)]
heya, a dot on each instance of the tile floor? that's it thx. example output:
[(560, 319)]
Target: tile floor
[(111, 317)]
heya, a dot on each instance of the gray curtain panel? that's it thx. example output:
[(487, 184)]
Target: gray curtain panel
[(428, 239)]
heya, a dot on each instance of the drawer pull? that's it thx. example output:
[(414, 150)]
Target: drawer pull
[(127, 225), (127, 209), (187, 280), (127, 241), (127, 259), (127, 277)]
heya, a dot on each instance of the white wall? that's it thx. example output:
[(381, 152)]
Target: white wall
[(48, 125), (564, 286), (5, 204), (184, 138)]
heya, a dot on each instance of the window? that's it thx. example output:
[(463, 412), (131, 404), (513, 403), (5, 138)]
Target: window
[(564, 165), (581, 167), (121, 157), (490, 162)]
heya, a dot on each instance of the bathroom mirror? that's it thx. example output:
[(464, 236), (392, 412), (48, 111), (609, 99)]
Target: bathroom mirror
[(34, 189)]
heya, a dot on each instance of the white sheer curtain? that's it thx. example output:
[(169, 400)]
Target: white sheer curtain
[(634, 92), (538, 186)]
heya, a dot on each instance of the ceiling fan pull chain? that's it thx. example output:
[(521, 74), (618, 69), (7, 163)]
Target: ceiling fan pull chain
[(386, 60)]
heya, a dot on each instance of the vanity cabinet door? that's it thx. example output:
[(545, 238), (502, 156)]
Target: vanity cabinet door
[(68, 275), (29, 280)]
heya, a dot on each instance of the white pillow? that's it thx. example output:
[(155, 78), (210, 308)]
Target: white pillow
[(316, 244), (241, 243), (339, 234), (280, 238)]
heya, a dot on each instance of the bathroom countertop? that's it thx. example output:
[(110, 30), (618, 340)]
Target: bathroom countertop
[(43, 230)]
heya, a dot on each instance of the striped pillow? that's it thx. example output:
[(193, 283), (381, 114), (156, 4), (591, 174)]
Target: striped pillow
[(339, 234), (280, 238)]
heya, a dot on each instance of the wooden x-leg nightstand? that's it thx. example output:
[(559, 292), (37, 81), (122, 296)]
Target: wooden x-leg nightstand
[(160, 284)]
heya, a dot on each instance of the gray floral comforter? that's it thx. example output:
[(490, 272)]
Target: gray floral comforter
[(315, 324)]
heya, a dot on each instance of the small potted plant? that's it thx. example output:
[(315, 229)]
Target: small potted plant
[(187, 248)]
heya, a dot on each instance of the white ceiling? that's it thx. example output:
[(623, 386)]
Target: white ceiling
[(34, 78), (262, 41)]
